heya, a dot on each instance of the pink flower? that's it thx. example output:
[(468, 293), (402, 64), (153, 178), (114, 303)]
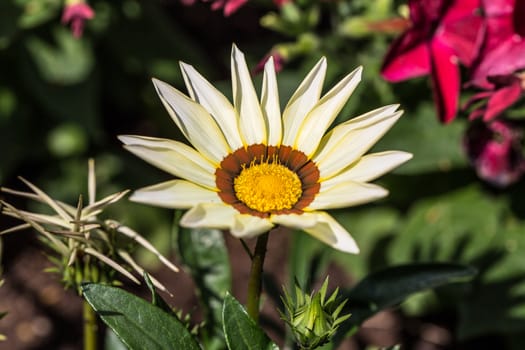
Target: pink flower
[(76, 14), (442, 34), (495, 151), (278, 62), (504, 91), (280, 3), (503, 50), (228, 6)]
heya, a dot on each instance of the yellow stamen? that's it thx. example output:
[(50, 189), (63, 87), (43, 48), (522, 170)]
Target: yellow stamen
[(268, 187)]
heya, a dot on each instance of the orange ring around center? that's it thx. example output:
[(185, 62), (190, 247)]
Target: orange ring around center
[(296, 161)]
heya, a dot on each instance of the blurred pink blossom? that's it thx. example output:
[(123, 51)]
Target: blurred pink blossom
[(495, 151), (504, 91), (280, 3), (503, 50), (228, 6), (76, 14), (443, 33), (278, 62)]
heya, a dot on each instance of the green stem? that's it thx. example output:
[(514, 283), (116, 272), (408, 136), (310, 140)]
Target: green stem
[(254, 283), (90, 327)]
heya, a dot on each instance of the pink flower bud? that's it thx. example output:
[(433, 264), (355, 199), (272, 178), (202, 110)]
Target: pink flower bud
[(495, 151), (76, 14)]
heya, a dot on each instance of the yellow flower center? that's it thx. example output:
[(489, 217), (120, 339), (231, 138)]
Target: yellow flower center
[(263, 180), (268, 187)]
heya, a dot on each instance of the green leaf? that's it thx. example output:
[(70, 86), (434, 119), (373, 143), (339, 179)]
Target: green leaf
[(501, 278), (476, 227), (139, 324), (67, 63), (240, 329), (37, 11), (438, 226), (67, 139), (204, 252), (391, 286), (435, 146), (112, 342)]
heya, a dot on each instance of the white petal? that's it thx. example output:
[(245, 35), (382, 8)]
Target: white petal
[(329, 231), (215, 103), (302, 101), (251, 122), (194, 121), (246, 226), (370, 167), (346, 194), (209, 215), (295, 220), (177, 194), (325, 112), (173, 157), (323, 227), (364, 120), (344, 144), (270, 104)]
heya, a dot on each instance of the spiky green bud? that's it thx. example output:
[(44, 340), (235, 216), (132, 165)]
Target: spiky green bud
[(313, 318)]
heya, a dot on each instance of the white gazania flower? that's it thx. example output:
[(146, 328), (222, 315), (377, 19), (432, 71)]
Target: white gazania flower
[(252, 167)]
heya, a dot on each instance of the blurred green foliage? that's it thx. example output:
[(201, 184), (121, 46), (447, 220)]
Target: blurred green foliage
[(63, 100)]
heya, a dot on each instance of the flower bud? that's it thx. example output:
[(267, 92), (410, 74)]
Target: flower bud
[(313, 318)]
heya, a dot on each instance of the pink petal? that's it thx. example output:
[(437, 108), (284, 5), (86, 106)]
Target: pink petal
[(278, 61), (76, 15), (459, 9), (506, 58), (463, 29), (477, 113), (498, 7), (495, 152), (217, 4), (80, 10), (407, 58), (504, 48), (501, 99), (499, 29), (280, 3), (232, 6), (446, 80)]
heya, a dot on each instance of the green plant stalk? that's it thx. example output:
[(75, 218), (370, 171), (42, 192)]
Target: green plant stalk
[(254, 283), (90, 327)]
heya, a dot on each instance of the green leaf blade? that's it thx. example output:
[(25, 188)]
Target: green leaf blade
[(240, 329), (391, 286), (139, 324)]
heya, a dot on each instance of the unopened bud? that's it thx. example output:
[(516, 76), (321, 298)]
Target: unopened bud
[(313, 318)]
